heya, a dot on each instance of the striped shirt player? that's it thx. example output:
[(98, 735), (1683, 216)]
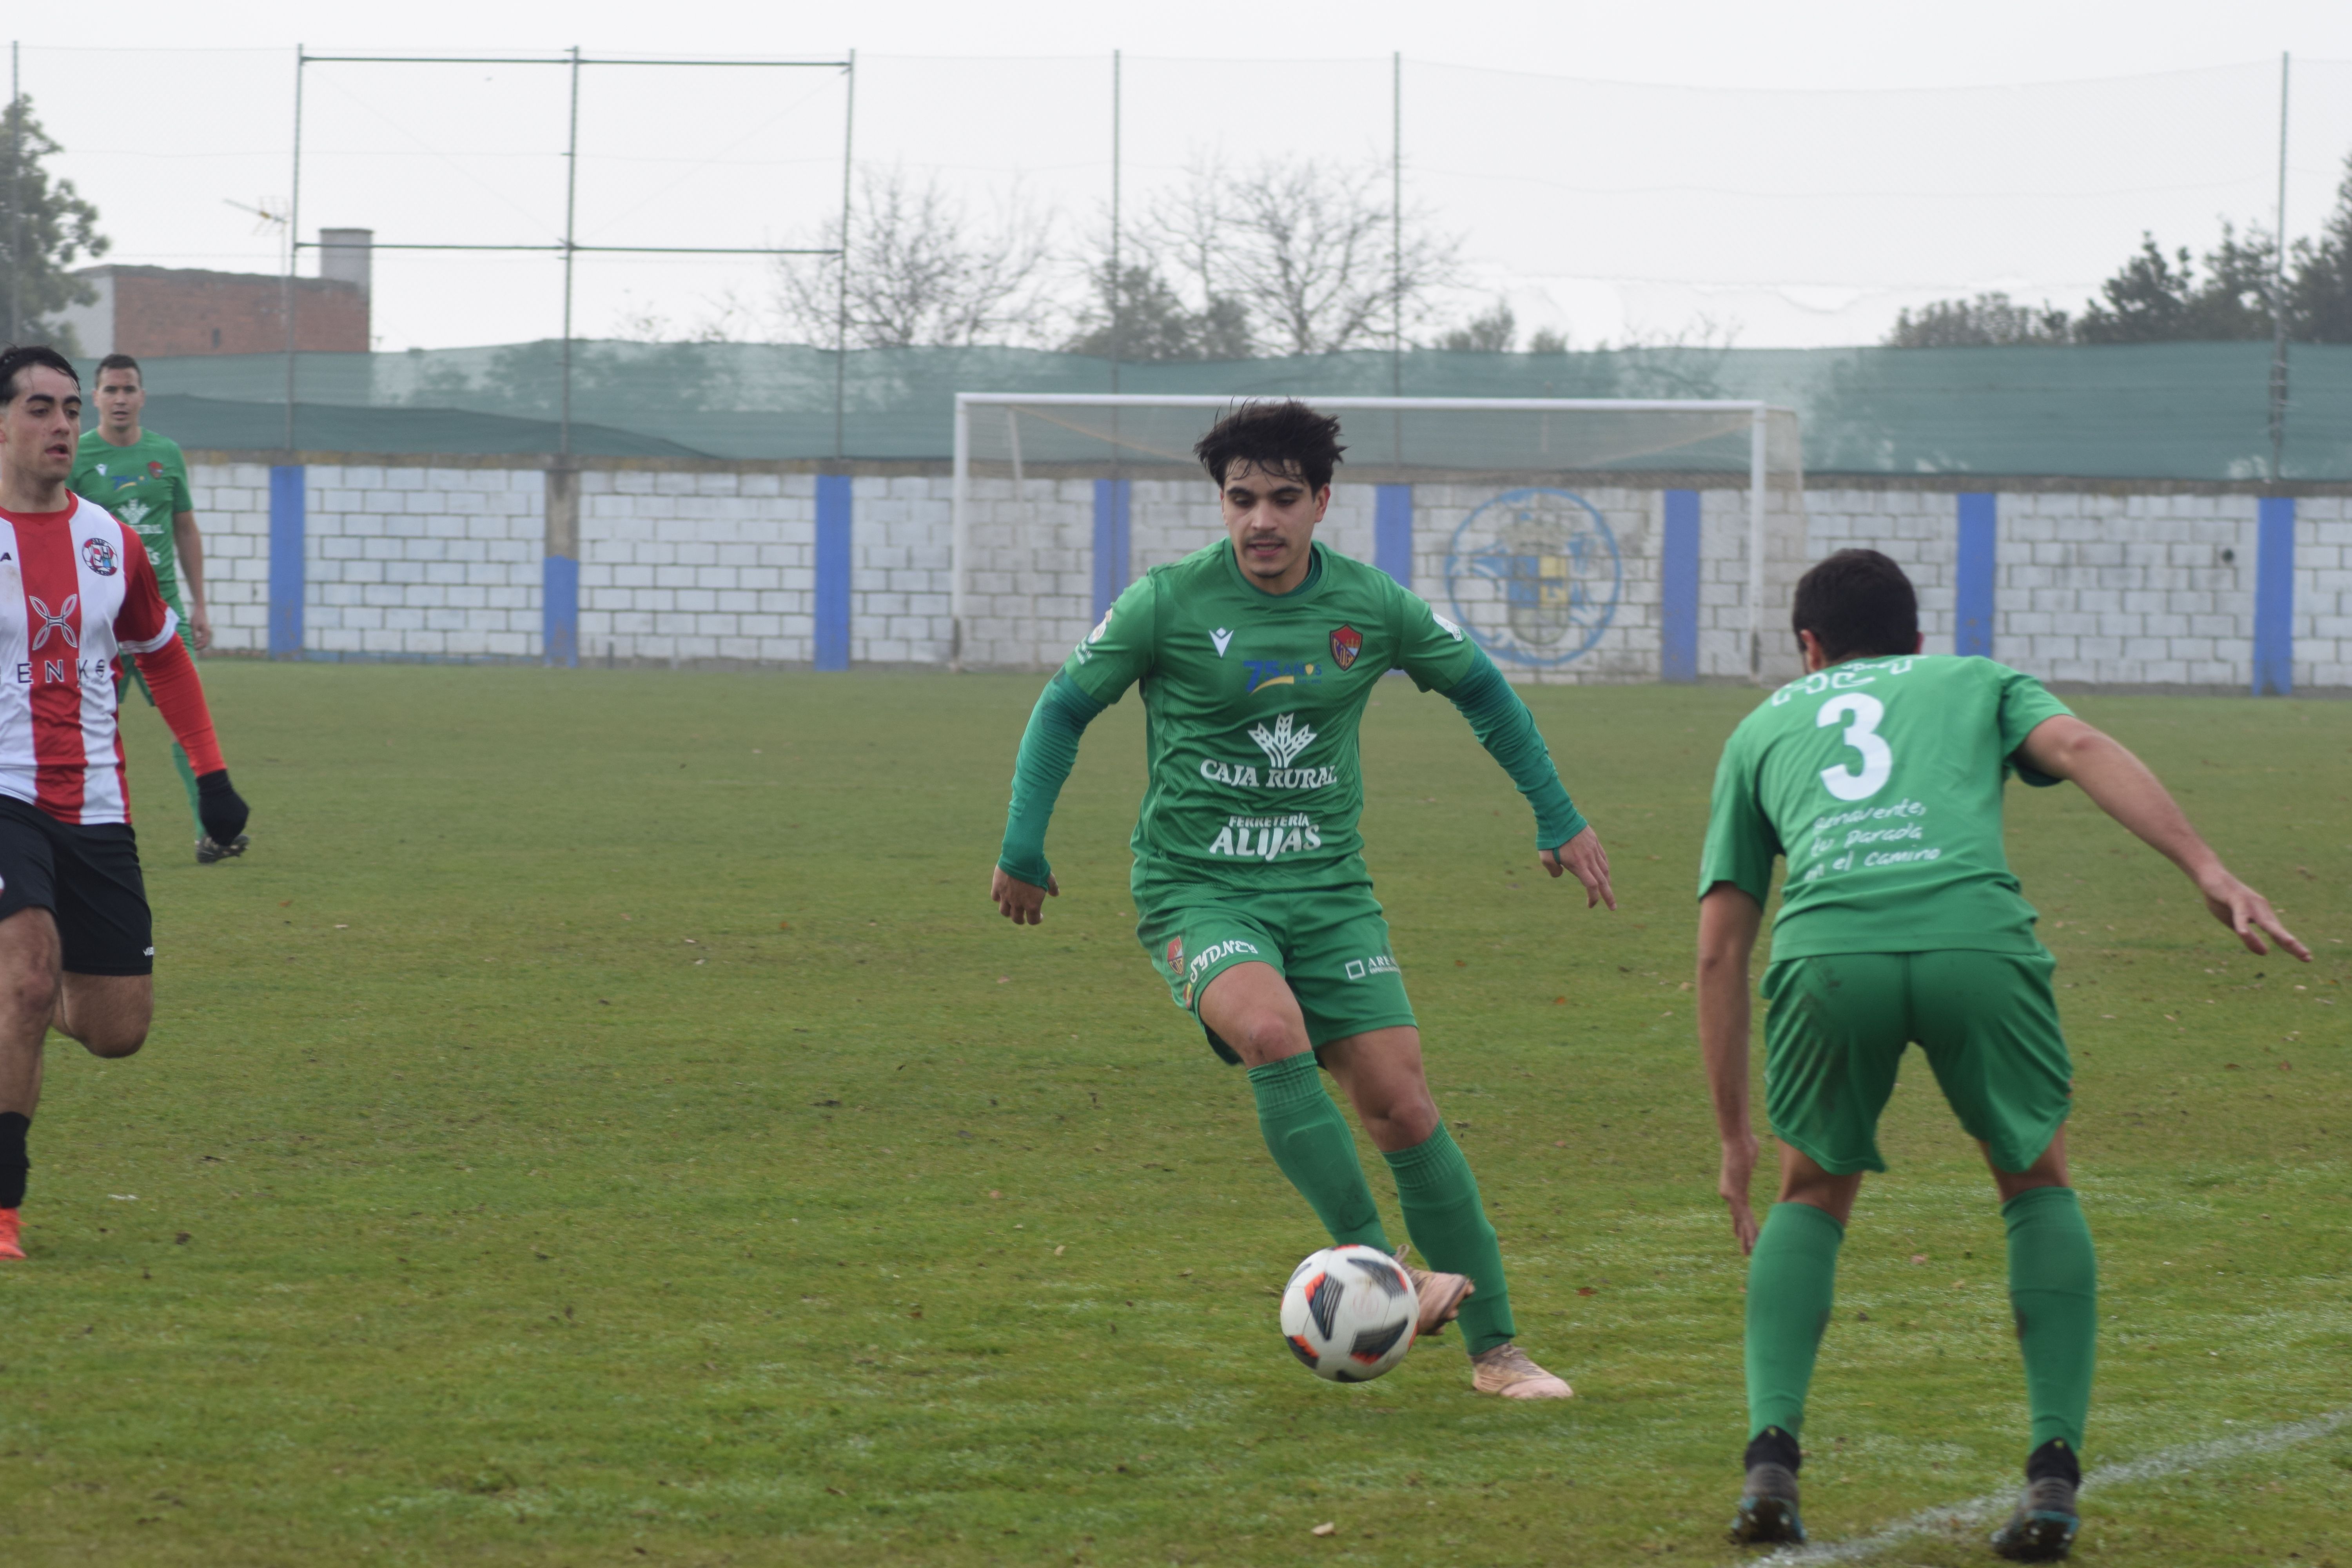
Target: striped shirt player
[(78, 593)]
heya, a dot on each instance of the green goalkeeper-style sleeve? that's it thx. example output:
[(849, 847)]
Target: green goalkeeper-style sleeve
[(1508, 731), (1049, 748)]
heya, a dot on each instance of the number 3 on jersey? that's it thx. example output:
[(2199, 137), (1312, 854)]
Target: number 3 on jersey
[(1862, 734)]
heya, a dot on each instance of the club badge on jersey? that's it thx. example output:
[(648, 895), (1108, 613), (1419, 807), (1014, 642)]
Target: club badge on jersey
[(1347, 642)]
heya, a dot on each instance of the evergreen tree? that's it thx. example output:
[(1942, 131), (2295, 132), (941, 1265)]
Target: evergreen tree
[(2320, 298), (45, 227)]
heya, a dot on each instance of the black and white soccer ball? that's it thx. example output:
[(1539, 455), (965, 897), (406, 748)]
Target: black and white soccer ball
[(1348, 1313)]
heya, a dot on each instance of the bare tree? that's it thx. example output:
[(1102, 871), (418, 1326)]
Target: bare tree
[(1308, 249), (920, 272)]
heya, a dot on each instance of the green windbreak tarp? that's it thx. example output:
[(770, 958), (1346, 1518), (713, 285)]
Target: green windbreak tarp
[(2186, 411)]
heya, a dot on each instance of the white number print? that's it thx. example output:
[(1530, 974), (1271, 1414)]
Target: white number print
[(1862, 734)]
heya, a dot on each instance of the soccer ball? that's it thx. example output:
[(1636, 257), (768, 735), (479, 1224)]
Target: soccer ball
[(1348, 1313)]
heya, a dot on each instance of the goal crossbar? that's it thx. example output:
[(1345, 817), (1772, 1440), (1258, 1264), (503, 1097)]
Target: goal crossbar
[(1758, 413)]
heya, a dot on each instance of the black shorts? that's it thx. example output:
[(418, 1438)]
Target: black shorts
[(87, 878)]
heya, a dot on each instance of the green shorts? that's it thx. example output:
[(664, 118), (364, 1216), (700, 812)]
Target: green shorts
[(1838, 1025), (1330, 945)]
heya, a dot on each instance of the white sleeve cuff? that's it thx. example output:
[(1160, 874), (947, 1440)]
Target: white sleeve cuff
[(149, 645)]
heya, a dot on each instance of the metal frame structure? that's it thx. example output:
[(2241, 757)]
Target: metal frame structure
[(1759, 415), (569, 247)]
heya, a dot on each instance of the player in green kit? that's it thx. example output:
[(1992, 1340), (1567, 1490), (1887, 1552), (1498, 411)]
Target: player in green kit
[(1255, 657), (142, 478), (1879, 775)]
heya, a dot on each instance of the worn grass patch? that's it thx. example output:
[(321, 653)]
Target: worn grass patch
[(602, 1121)]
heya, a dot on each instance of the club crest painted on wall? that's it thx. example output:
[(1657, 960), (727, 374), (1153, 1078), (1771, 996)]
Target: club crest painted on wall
[(1535, 576)]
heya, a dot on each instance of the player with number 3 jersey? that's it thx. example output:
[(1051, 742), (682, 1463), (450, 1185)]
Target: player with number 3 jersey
[(1878, 777), (1255, 658)]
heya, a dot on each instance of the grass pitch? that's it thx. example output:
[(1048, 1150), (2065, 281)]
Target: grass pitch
[(604, 1121)]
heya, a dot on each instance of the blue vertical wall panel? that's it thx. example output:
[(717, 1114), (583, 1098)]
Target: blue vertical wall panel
[(2274, 597), (832, 552), (1111, 500), (1678, 589), (1392, 531), (1976, 569), (558, 599), (288, 523)]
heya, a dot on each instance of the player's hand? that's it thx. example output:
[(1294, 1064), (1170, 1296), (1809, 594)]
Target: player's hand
[(219, 808), (1583, 856), (1023, 903), (1739, 1165), (200, 628), (2248, 913)]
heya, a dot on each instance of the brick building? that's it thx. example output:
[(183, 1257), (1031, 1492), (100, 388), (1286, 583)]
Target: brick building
[(160, 311)]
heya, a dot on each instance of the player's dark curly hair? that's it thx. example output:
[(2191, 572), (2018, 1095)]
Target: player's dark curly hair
[(1860, 604), (1286, 438), (17, 358)]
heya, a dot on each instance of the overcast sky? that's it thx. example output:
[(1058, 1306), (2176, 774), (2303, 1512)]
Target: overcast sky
[(1840, 160), (1811, 43)]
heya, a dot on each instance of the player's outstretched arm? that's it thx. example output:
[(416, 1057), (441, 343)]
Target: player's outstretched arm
[(1022, 881), (178, 692), (1729, 920), (1505, 727), (2120, 784)]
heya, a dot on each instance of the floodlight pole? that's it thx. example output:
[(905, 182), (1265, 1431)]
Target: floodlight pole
[(1117, 315), (571, 211), (2278, 296), (1757, 431), (15, 195), (841, 311), (1396, 247), (293, 245)]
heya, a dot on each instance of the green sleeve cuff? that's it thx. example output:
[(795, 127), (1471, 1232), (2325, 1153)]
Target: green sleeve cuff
[(1049, 748), (1505, 727)]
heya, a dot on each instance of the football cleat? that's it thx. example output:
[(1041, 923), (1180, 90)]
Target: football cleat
[(2042, 1528), (1510, 1372), (1768, 1510), (1768, 1504), (1440, 1295), (10, 1246), (210, 850)]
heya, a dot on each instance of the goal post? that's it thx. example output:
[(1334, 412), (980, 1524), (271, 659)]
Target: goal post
[(1575, 539)]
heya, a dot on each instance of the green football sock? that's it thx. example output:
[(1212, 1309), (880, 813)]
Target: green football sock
[(2054, 1288), (1310, 1139), (1791, 1280), (188, 777), (1448, 1224)]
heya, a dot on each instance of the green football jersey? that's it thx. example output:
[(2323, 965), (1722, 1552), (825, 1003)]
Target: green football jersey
[(1251, 703), (146, 484), (1881, 781)]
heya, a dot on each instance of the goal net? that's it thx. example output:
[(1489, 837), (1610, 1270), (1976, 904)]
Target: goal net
[(1576, 540)]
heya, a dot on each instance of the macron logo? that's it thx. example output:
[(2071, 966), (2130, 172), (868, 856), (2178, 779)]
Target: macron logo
[(1224, 639)]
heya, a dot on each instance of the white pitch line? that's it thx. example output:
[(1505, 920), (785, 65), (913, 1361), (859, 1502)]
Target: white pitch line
[(1984, 1509)]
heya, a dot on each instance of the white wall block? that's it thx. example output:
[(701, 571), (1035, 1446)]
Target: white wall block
[(445, 563)]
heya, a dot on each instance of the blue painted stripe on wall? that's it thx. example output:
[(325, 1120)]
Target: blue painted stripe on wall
[(558, 597), (1392, 531), (2274, 597), (833, 550), (288, 510), (1111, 499), (1678, 590), (1976, 569)]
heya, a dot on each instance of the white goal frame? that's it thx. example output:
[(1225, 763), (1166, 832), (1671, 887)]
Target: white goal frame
[(1759, 415)]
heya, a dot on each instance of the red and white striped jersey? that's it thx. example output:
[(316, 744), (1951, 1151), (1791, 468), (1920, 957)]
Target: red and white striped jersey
[(76, 589)]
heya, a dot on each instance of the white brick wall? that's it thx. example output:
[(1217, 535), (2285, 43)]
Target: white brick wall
[(413, 562)]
